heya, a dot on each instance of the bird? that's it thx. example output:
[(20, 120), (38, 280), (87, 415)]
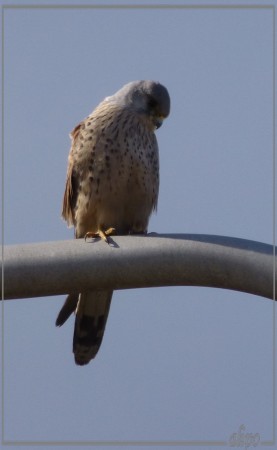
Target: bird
[(112, 186)]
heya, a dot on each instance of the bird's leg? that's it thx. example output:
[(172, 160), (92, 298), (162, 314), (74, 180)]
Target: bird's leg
[(100, 234)]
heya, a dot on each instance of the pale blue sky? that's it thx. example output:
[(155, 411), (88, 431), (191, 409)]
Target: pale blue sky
[(175, 363)]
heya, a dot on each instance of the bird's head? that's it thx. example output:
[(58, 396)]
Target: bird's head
[(149, 98)]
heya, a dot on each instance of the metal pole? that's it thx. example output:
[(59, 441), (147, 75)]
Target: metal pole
[(53, 268)]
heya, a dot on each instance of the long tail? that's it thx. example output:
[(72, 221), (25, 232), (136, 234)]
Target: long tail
[(92, 310), (91, 317)]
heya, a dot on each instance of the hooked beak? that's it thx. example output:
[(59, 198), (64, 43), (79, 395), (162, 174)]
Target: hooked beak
[(158, 121)]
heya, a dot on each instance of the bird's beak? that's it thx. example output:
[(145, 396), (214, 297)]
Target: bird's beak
[(158, 121)]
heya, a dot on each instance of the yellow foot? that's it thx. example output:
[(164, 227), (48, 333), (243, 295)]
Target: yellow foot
[(100, 234)]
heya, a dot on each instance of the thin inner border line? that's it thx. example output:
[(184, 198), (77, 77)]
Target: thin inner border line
[(274, 227), (136, 6), (2, 234)]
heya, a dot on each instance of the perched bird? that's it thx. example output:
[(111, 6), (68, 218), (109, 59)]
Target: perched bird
[(111, 187)]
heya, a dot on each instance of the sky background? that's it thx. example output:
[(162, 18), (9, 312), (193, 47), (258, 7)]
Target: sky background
[(182, 363)]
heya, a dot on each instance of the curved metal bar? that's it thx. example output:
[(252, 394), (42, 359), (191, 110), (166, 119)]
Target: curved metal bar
[(54, 268)]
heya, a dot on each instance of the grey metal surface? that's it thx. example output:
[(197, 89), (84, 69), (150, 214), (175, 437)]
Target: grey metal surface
[(53, 268)]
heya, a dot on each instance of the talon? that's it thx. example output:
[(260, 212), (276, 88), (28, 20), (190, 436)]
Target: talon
[(100, 234), (110, 231), (90, 234)]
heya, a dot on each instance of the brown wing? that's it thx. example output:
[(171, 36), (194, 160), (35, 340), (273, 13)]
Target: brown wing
[(70, 193)]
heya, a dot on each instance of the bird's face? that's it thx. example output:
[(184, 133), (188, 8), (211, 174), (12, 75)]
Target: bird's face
[(155, 111), (149, 98)]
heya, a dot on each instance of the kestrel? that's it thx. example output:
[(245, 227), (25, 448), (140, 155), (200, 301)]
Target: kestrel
[(111, 187)]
